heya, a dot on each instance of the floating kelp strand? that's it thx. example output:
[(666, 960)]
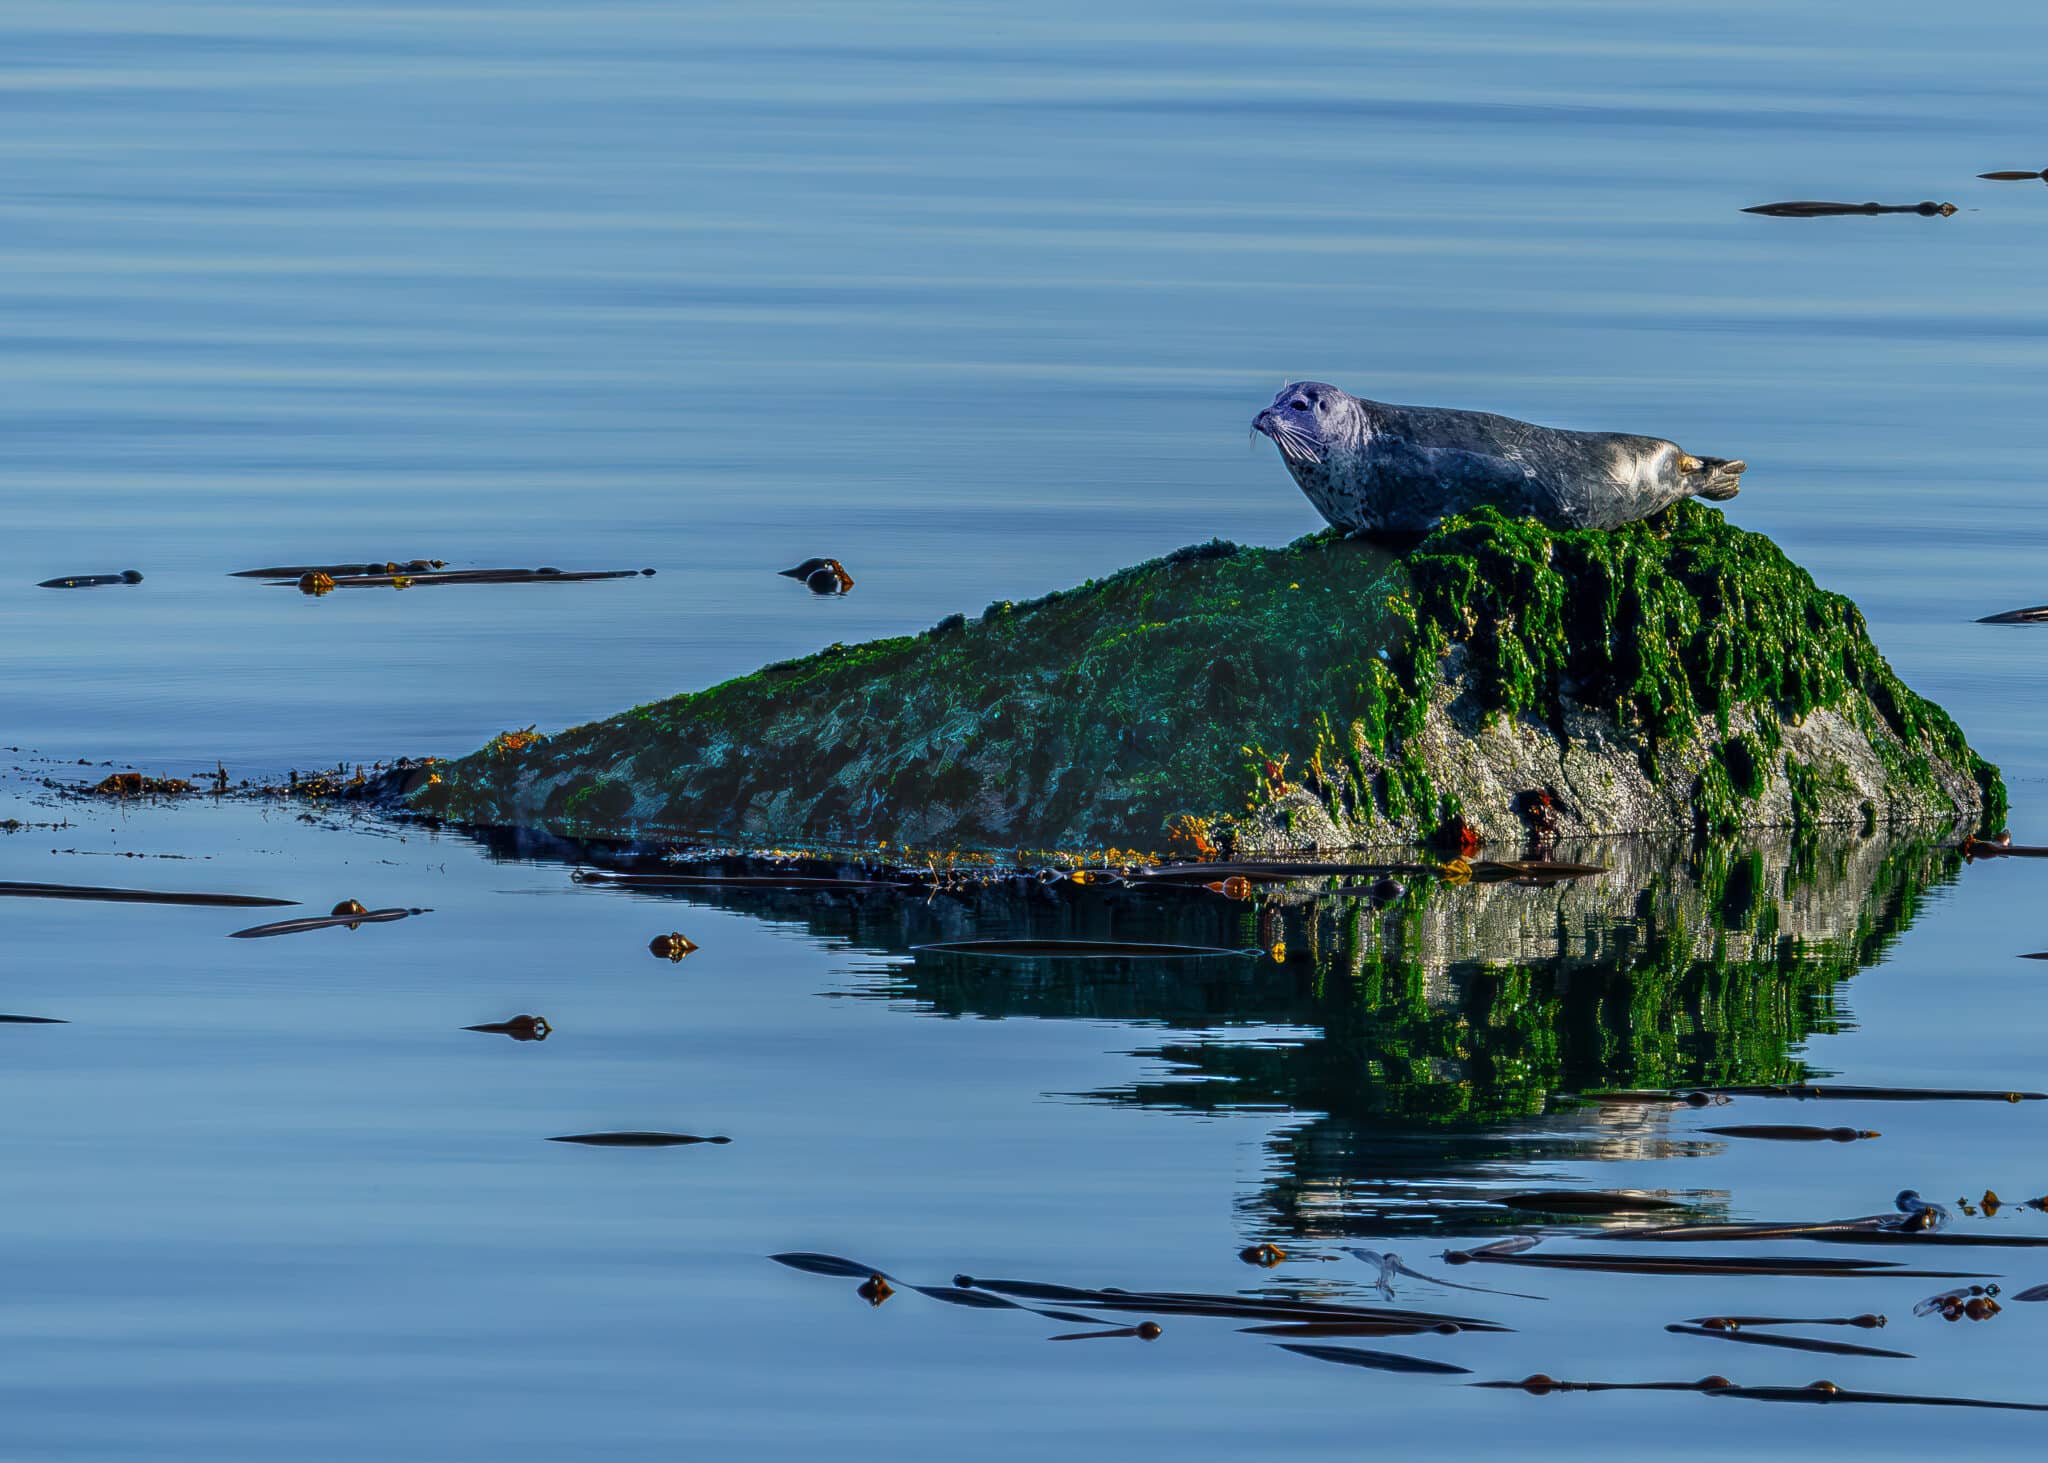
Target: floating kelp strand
[(1792, 1133), (1850, 1235), (2031, 615), (1302, 1319), (1791, 1343), (815, 1263), (33, 1021), (388, 573), (1245, 1309), (91, 581), (16, 890), (1826, 1391), (1352, 1328), (354, 568), (1538, 1384), (1202, 1303), (1144, 1331), (349, 919), (978, 1296), (2016, 176), (1379, 1361), (1844, 210), (1030, 1289), (1731, 1323), (735, 881), (954, 1295), (1514, 1244), (811, 1262), (1310, 1307), (459, 576), (636, 1140), (1712, 1265), (519, 1028), (1845, 1093)]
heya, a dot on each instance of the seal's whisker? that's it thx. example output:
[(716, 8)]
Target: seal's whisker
[(1297, 445), (1294, 444)]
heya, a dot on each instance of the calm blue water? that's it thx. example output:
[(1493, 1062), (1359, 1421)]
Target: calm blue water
[(979, 299)]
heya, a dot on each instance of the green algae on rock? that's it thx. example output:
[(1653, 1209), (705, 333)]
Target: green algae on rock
[(1676, 675)]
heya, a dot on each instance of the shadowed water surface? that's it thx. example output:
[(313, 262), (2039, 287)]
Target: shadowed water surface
[(978, 300)]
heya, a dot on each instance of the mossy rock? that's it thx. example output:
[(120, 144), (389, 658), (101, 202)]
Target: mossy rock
[(1678, 675)]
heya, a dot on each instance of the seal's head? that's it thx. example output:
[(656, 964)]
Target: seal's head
[(1309, 421)]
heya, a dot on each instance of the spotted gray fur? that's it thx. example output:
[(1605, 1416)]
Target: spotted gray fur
[(1369, 467)]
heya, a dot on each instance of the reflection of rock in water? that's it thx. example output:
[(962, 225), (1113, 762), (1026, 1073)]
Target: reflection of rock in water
[(1750, 903), (1475, 1003), (1399, 1033), (1485, 1002), (1479, 1002)]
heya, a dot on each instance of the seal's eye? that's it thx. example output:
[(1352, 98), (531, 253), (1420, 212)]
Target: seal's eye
[(1298, 404)]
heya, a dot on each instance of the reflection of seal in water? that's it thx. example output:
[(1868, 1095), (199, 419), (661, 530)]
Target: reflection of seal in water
[(1370, 467)]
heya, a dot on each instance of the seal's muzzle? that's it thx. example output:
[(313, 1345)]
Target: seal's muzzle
[(1295, 444)]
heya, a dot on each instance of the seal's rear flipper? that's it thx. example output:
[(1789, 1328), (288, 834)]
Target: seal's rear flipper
[(1718, 478)]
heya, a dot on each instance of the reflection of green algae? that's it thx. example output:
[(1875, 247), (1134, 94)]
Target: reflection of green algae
[(1098, 714), (1455, 1005), (1710, 989)]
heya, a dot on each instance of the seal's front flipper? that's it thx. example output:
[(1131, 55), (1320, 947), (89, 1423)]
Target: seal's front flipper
[(1717, 479)]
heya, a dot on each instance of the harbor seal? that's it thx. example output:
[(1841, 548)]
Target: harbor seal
[(1369, 467)]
